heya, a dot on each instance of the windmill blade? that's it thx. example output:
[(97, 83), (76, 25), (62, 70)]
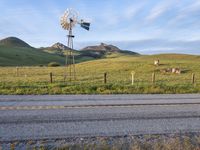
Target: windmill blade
[(69, 19), (85, 25)]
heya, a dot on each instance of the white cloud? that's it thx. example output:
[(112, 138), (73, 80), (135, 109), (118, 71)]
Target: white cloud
[(111, 16), (158, 10), (31, 24), (132, 10), (185, 12)]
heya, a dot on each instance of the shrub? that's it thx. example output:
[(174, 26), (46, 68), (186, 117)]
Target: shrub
[(53, 64)]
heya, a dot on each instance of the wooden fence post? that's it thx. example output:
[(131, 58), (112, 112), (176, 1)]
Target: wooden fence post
[(17, 71), (51, 77), (65, 77), (105, 78), (133, 77), (153, 77), (12, 146), (193, 78)]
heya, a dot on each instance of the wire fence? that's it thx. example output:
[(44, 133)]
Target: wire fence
[(58, 75)]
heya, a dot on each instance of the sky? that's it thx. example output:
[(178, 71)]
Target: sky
[(144, 26)]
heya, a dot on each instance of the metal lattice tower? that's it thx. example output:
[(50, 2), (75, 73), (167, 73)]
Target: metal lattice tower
[(70, 59)]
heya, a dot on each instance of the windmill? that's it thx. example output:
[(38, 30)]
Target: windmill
[(68, 22)]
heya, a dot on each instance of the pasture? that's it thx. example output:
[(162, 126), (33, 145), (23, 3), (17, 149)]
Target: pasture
[(90, 76)]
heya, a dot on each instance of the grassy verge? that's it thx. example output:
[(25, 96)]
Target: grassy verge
[(60, 88)]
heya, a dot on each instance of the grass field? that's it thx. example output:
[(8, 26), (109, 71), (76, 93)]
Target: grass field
[(35, 80)]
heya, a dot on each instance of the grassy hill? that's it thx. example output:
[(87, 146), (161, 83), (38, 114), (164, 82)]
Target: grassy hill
[(86, 55), (79, 56), (89, 53), (25, 56), (13, 42), (120, 68), (15, 52)]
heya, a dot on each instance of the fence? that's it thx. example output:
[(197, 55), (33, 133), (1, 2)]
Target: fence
[(57, 75)]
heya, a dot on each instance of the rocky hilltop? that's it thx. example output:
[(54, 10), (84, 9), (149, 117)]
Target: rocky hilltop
[(59, 46), (102, 47)]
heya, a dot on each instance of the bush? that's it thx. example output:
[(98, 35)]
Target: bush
[(53, 64)]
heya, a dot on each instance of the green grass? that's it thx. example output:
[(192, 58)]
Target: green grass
[(35, 80)]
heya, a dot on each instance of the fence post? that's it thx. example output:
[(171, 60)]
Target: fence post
[(193, 78), (12, 146), (65, 77), (133, 77), (17, 71), (105, 78), (153, 77), (51, 77)]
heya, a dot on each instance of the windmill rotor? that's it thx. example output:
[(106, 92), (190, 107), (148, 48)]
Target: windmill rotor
[(70, 19)]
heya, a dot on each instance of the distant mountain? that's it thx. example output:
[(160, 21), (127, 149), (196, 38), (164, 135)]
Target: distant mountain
[(62, 50), (14, 42), (102, 47), (59, 46), (103, 50)]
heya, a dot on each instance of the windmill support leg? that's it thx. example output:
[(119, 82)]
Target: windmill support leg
[(70, 63)]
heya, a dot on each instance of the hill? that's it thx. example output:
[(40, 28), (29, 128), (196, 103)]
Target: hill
[(104, 50), (13, 42), (62, 50), (88, 53), (58, 48), (102, 47), (143, 63), (15, 52)]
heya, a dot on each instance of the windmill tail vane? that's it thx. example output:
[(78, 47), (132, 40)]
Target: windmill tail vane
[(85, 25)]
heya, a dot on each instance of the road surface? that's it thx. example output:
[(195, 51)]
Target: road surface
[(53, 117)]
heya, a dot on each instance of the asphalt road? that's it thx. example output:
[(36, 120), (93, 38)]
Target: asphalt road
[(52, 117)]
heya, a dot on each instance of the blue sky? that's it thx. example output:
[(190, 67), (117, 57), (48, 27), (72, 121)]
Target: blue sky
[(145, 26)]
